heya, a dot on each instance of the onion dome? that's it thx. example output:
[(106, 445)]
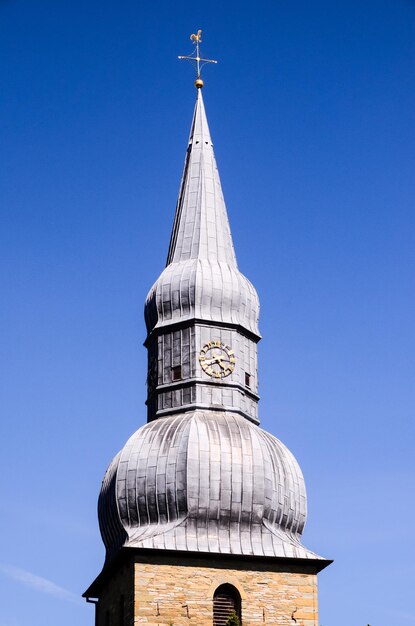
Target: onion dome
[(206, 481), (201, 279), (203, 289)]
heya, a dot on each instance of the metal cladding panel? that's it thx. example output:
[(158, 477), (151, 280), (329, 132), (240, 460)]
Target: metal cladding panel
[(209, 481)]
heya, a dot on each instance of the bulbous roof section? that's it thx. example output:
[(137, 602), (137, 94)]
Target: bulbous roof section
[(206, 481), (199, 288)]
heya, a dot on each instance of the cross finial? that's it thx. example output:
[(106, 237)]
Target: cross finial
[(197, 61)]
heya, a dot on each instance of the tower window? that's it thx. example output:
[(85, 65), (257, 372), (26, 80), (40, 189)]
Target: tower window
[(176, 372), (226, 606), (247, 379)]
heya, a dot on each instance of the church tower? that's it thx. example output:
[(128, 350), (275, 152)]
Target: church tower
[(202, 511)]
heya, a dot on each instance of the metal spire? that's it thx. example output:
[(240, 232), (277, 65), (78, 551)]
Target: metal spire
[(201, 227), (195, 59)]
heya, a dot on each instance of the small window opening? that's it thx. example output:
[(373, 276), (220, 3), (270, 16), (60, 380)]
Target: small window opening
[(247, 379), (227, 606), (176, 372)]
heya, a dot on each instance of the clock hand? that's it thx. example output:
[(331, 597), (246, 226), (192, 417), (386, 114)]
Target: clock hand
[(220, 360), (213, 359), (216, 359)]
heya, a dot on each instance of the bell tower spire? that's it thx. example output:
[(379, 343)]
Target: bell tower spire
[(201, 227), (202, 312)]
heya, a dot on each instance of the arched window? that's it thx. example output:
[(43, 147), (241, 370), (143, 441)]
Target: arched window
[(226, 605)]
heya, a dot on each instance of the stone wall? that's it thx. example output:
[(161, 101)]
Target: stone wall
[(181, 594)]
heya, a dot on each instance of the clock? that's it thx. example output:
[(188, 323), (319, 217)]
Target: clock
[(217, 359)]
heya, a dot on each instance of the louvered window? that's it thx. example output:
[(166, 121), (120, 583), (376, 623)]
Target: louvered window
[(226, 602)]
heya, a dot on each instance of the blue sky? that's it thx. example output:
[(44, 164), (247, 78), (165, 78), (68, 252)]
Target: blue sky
[(311, 108)]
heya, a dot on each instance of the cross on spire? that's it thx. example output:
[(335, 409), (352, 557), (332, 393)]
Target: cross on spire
[(195, 59)]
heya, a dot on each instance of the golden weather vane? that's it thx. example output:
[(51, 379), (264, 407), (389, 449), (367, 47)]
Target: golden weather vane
[(196, 60)]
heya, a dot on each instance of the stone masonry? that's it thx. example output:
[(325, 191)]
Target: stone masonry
[(179, 592)]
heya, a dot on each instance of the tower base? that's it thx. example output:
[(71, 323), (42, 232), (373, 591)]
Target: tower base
[(157, 588)]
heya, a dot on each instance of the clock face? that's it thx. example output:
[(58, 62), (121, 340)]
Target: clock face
[(217, 359)]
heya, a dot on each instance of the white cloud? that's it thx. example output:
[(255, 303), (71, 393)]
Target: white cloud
[(38, 583)]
